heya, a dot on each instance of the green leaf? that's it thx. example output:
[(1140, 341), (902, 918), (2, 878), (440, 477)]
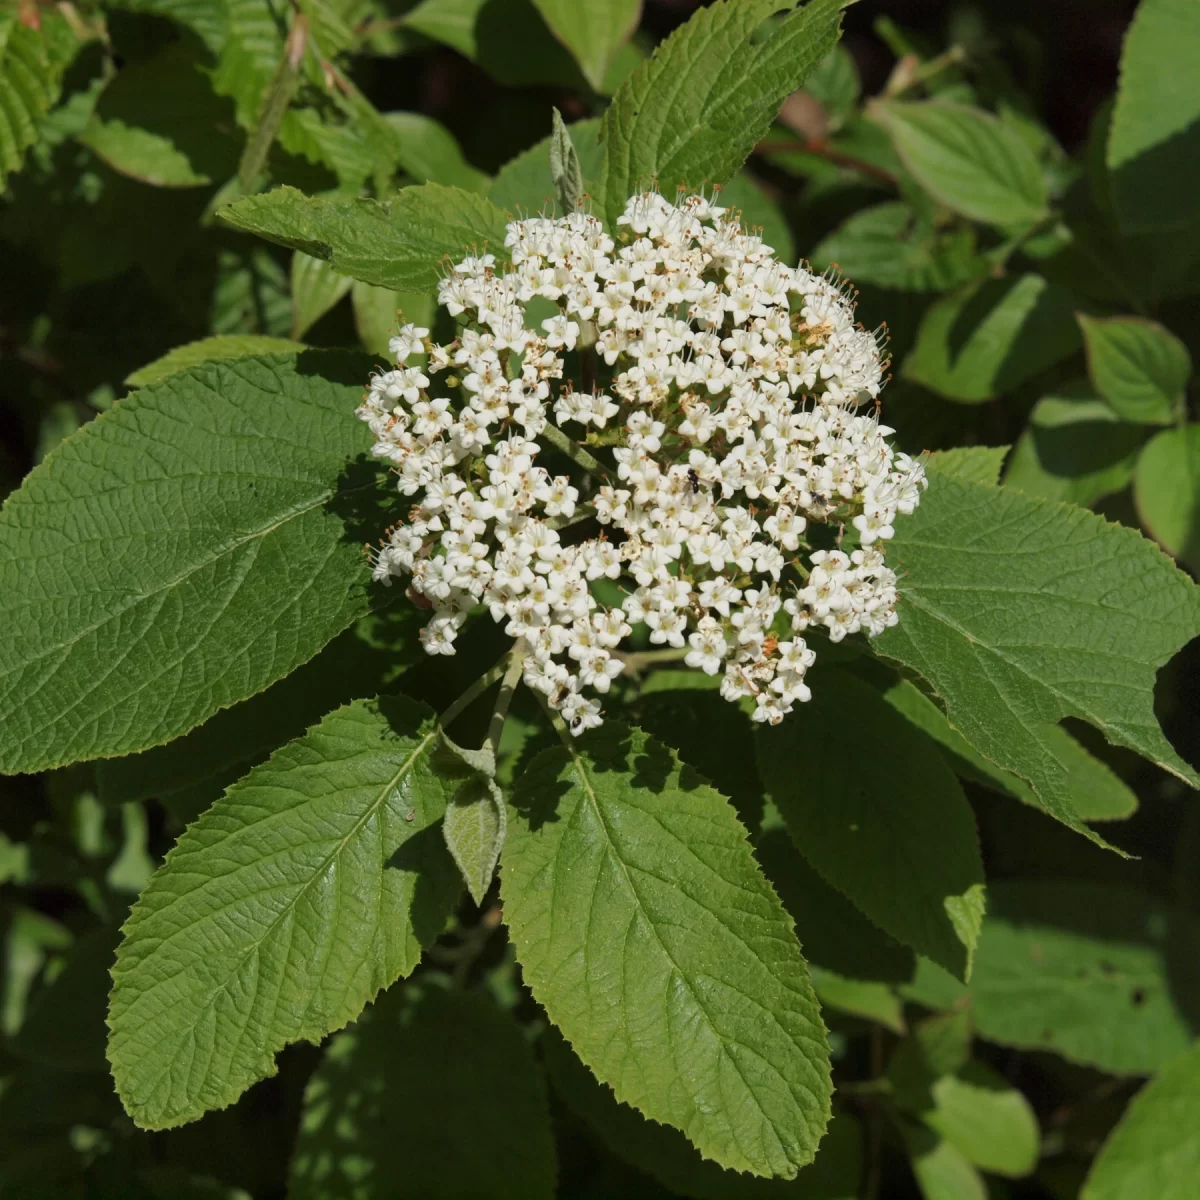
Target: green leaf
[(1155, 1150), (312, 884), (593, 30), (835, 85), (1103, 976), (892, 246), (32, 62), (191, 772), (942, 1170), (524, 184), (398, 243), (863, 998), (1097, 792), (833, 933), (565, 172), (986, 339), (1139, 367), (1020, 612), (967, 160), (666, 1155), (1075, 449), (692, 113), (475, 826), (440, 1091), (316, 288), (427, 150), (979, 1113), (192, 548), (644, 927), (159, 122), (972, 464), (890, 829), (207, 350), (1166, 489), (1154, 146)]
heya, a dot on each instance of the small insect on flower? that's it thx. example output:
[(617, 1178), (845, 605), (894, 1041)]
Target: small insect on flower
[(716, 438)]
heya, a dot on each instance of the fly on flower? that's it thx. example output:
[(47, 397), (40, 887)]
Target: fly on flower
[(730, 455)]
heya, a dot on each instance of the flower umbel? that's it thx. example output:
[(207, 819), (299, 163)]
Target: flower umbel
[(732, 495)]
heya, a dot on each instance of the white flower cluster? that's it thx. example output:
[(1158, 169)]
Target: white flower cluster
[(726, 463)]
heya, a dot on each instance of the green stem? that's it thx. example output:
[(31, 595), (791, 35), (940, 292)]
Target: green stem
[(907, 76), (637, 661), (508, 685), (583, 512), (473, 693), (560, 726), (575, 452), (278, 98)]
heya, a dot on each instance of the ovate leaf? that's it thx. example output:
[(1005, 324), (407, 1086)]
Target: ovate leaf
[(1020, 612), (648, 933), (1103, 976), (524, 185), (439, 1090), (1166, 488), (986, 339), (1075, 448), (942, 1171), (967, 159), (692, 113), (1155, 1150), (593, 30), (474, 828), (891, 829), (213, 349), (427, 150), (192, 548), (1154, 145), (398, 243), (1139, 367), (892, 246), (664, 1154), (312, 884)]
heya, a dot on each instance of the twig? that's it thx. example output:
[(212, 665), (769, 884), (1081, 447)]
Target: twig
[(508, 685), (476, 690), (575, 452)]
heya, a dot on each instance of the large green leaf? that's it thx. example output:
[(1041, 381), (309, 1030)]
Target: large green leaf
[(212, 349), (1105, 976), (398, 243), (1075, 448), (1020, 612), (969, 160), (692, 113), (890, 245), (192, 546), (1155, 1150), (430, 1095), (1154, 145), (593, 30), (1139, 367), (312, 884), (891, 829), (986, 339), (646, 930), (1166, 488), (665, 1154)]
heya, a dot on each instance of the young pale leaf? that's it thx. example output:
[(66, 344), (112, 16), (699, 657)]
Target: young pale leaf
[(1139, 367), (1154, 145), (647, 932), (192, 548), (1155, 1150), (692, 113), (1166, 489), (312, 884), (213, 349), (440, 1091), (398, 243), (891, 829), (593, 30), (1102, 975), (565, 172), (1075, 448), (890, 245), (664, 1154), (968, 160), (1097, 792), (316, 288), (525, 184), (986, 339), (1020, 612)]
